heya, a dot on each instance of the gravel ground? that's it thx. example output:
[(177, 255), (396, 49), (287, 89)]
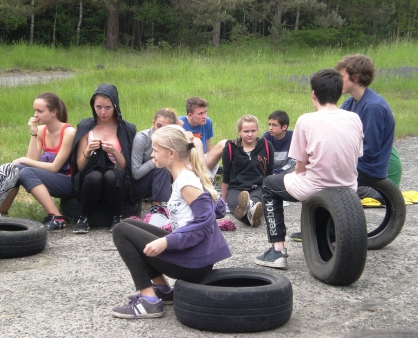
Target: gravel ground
[(70, 288)]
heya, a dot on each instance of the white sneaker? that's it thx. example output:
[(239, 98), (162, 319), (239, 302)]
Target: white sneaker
[(243, 204), (255, 214), (227, 209)]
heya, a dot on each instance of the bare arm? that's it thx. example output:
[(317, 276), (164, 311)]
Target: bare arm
[(157, 246), (208, 145), (84, 150), (35, 143), (60, 159), (224, 190), (300, 167)]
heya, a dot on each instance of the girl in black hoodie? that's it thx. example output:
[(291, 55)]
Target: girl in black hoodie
[(101, 157), (246, 161)]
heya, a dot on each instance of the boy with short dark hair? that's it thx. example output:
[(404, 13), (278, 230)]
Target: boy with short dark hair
[(280, 137)]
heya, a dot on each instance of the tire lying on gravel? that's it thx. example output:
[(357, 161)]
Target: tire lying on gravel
[(235, 300), (334, 214), (394, 218), (21, 237)]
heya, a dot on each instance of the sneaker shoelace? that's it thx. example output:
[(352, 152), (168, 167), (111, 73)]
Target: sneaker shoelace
[(267, 252), (133, 303)]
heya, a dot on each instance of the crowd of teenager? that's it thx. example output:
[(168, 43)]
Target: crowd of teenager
[(173, 164)]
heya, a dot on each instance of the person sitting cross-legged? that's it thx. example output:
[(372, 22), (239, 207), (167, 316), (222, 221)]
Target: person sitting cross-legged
[(246, 161)]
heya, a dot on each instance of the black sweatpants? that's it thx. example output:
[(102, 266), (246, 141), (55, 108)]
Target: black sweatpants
[(130, 237), (364, 190), (274, 195), (97, 186)]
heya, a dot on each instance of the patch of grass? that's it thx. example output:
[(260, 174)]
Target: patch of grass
[(236, 80)]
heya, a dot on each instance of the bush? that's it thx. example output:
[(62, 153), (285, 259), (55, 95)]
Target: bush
[(347, 36)]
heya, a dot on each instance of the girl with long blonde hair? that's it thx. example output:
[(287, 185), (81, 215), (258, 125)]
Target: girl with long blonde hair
[(196, 243)]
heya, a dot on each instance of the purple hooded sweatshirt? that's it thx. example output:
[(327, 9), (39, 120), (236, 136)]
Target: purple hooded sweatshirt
[(200, 242)]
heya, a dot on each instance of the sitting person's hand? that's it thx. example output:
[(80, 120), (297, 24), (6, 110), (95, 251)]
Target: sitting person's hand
[(155, 247)]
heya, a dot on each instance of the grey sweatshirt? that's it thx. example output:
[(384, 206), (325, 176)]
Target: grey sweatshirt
[(141, 154)]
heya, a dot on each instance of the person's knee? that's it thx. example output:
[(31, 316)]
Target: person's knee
[(267, 182), (94, 176), (221, 144)]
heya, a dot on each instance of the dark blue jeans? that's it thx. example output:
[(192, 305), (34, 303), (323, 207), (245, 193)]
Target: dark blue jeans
[(274, 193), (156, 184), (58, 185)]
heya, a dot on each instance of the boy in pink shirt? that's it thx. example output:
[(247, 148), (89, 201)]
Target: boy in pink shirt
[(326, 145)]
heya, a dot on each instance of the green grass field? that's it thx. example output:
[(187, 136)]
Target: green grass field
[(255, 79)]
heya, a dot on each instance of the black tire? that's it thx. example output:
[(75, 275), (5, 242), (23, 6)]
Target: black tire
[(102, 216), (21, 237), (334, 212), (235, 300), (394, 216)]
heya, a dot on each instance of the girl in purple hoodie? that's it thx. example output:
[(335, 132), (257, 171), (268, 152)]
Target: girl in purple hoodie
[(196, 243)]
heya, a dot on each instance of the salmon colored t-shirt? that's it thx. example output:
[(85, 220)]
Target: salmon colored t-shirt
[(331, 141)]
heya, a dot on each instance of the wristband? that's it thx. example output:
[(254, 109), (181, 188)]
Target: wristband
[(35, 135), (85, 156)]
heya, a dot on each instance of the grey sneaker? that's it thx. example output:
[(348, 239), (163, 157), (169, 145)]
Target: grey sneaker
[(254, 214), (273, 259), (296, 236), (244, 204), (166, 297), (52, 225), (82, 226), (139, 307)]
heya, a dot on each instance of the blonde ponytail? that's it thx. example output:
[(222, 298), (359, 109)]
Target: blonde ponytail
[(175, 138)]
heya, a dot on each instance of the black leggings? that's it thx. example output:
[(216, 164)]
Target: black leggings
[(130, 237), (97, 186)]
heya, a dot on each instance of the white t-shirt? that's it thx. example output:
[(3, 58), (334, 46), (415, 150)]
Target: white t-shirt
[(180, 212), (331, 141)]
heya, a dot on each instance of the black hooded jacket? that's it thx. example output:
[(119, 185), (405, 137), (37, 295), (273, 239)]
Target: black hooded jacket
[(125, 133), (243, 172)]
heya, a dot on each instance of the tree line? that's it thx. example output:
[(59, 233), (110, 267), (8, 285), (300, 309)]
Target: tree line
[(165, 23)]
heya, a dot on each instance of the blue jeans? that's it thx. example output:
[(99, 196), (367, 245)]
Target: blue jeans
[(156, 184), (274, 195), (58, 185)]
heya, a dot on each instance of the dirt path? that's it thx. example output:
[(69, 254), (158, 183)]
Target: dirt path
[(17, 79)]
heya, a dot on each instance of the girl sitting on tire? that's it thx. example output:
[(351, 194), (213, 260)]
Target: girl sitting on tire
[(196, 243), (246, 161), (101, 158), (45, 171)]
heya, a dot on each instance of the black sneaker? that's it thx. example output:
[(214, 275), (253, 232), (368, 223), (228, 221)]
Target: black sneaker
[(296, 236), (116, 220), (166, 297), (82, 226), (52, 225)]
